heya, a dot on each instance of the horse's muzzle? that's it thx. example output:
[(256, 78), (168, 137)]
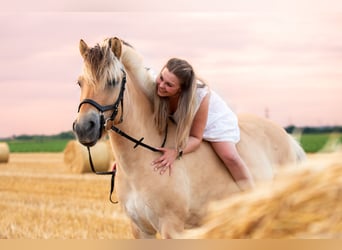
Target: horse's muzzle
[(87, 129)]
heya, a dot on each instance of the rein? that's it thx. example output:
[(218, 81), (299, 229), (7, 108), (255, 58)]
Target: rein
[(139, 142), (115, 108)]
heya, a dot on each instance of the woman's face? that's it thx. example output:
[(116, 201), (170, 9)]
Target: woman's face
[(168, 84)]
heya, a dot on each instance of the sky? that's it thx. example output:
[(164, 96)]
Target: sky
[(277, 61)]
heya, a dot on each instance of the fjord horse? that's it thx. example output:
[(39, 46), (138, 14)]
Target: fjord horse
[(115, 93)]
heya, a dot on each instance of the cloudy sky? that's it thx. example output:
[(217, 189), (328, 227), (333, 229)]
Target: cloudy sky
[(283, 62)]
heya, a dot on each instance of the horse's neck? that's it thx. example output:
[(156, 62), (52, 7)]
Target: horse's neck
[(138, 113), (139, 82), (137, 123)]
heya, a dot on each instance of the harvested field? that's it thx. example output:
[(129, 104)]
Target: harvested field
[(41, 199)]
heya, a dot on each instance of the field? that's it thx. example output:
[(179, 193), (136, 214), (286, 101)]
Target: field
[(312, 143), (41, 199)]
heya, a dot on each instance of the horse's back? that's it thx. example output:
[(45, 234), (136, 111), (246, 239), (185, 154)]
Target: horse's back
[(264, 146)]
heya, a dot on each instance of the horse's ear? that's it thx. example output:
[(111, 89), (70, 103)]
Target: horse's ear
[(116, 46), (83, 48)]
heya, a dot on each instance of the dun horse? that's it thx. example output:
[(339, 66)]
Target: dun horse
[(115, 93)]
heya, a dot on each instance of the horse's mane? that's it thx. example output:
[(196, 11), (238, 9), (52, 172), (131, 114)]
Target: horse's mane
[(133, 61), (101, 66)]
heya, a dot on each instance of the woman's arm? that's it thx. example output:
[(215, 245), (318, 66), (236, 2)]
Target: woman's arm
[(198, 126), (196, 135)]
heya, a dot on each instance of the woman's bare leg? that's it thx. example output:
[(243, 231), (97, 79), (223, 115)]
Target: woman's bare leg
[(229, 155)]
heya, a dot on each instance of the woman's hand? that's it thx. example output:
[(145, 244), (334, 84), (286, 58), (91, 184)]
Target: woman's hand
[(165, 162)]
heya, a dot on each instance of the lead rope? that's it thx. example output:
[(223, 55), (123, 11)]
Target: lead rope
[(113, 172)]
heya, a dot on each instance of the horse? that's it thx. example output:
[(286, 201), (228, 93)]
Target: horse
[(116, 100)]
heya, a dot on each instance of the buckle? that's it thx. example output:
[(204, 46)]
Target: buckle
[(107, 125)]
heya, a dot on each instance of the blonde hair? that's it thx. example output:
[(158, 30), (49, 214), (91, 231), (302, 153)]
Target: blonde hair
[(186, 105)]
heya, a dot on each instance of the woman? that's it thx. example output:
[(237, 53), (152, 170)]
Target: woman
[(200, 114)]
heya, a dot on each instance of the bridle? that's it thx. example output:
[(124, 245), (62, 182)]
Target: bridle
[(114, 107), (104, 123)]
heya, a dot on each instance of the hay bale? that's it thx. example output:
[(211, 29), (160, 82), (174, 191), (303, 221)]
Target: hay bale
[(301, 203), (76, 157), (4, 152)]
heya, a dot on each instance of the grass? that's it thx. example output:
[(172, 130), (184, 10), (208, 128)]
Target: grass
[(313, 143), (34, 145)]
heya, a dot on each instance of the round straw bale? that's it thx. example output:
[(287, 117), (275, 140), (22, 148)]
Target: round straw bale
[(77, 160), (4, 152)]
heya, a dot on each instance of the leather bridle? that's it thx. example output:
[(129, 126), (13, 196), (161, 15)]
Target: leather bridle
[(114, 107), (104, 122)]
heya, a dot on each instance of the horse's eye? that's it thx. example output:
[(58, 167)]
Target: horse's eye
[(78, 83)]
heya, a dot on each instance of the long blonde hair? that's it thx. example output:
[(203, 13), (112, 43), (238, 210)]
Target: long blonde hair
[(186, 104)]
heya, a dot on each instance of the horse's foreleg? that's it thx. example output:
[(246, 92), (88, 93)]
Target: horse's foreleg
[(139, 234)]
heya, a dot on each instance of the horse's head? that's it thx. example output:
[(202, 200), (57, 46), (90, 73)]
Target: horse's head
[(102, 85)]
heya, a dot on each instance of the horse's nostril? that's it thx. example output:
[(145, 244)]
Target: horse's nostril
[(92, 124)]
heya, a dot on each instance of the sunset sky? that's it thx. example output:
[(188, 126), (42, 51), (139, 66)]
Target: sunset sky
[(281, 61)]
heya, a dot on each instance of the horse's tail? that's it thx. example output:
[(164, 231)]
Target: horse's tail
[(298, 150)]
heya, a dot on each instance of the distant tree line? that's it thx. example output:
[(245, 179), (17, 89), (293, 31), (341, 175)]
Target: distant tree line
[(314, 130), (63, 135)]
